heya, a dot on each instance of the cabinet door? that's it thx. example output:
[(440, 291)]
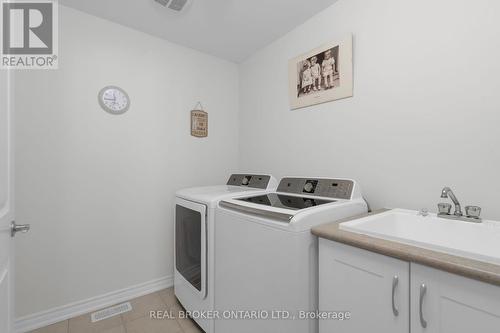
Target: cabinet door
[(372, 287), (448, 303)]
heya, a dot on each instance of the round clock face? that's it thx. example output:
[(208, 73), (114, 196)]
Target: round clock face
[(114, 100)]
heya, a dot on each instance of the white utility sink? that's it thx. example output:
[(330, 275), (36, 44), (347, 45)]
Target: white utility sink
[(479, 241)]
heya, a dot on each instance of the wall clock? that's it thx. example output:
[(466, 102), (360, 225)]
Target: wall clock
[(114, 100)]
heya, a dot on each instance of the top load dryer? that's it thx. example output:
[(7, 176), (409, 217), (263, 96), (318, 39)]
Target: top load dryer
[(194, 235), (266, 274)]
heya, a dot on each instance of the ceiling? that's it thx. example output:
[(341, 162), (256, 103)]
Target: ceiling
[(229, 29)]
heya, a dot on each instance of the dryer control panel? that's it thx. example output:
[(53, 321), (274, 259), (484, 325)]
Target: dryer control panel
[(248, 180), (321, 187)]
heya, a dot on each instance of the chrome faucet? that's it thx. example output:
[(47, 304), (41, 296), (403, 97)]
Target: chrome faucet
[(472, 213), (447, 192)]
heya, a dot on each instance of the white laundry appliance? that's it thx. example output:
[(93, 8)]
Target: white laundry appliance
[(194, 245), (266, 269)]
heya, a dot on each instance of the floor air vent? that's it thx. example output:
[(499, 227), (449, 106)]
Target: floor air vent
[(110, 312)]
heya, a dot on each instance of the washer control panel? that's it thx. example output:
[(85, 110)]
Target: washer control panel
[(331, 188), (254, 181)]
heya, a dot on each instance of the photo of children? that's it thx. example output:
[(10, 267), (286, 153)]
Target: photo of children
[(322, 75), (318, 73)]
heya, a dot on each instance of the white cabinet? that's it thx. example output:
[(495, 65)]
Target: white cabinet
[(452, 303), (372, 287), (361, 282)]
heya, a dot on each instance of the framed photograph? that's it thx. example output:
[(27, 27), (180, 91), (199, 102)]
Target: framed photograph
[(321, 75)]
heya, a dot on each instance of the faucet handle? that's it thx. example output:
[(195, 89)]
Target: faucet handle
[(444, 208), (473, 211)]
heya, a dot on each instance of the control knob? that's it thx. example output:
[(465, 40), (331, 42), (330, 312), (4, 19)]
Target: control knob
[(245, 181), (308, 187)]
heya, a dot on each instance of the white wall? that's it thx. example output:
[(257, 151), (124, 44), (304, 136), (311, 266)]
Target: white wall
[(98, 189), (425, 111)]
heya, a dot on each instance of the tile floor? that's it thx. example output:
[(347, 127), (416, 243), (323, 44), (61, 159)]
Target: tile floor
[(136, 321)]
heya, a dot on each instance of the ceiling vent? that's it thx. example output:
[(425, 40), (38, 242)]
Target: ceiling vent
[(175, 5)]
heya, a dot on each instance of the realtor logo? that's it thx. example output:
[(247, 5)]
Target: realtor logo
[(29, 34)]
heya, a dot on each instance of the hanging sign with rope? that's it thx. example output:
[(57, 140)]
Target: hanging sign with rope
[(199, 122)]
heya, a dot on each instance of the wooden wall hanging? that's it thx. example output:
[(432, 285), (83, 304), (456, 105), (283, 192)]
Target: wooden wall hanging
[(199, 122)]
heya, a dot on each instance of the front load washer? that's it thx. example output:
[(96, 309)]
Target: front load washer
[(194, 246), (266, 272)]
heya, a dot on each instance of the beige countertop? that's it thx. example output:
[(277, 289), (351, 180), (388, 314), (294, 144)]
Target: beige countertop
[(482, 271)]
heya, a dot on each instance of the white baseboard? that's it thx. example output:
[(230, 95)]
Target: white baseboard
[(52, 316)]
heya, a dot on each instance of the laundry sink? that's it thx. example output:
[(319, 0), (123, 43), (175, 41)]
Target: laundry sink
[(478, 241)]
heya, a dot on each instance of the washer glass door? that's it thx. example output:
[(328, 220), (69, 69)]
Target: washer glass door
[(190, 244)]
